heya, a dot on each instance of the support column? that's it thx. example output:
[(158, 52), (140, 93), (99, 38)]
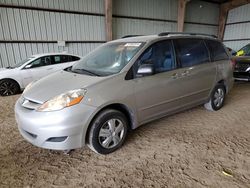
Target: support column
[(222, 21), (224, 9), (181, 14), (108, 20)]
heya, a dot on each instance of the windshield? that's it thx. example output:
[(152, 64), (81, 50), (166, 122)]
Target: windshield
[(245, 51), (108, 59), (21, 63)]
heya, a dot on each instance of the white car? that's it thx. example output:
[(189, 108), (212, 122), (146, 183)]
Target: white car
[(15, 78)]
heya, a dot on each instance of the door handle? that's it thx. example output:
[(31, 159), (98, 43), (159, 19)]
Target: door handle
[(49, 68), (185, 73), (175, 76)]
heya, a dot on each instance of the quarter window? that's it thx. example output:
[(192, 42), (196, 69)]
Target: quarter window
[(191, 52), (217, 50), (74, 58)]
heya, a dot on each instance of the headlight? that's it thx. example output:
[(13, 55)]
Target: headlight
[(59, 102), (28, 87)]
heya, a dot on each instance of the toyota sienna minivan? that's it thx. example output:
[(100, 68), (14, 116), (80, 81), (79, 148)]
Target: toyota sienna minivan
[(121, 85)]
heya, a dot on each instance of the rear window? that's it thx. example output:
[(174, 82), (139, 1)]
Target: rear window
[(191, 52), (217, 51)]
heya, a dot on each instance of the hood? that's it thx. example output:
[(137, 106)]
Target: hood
[(58, 83)]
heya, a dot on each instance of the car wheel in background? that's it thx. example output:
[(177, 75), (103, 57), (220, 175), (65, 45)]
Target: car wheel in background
[(8, 87)]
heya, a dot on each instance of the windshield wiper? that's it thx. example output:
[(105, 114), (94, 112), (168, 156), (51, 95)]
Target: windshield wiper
[(84, 70)]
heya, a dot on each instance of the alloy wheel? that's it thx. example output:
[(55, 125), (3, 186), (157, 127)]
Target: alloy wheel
[(111, 133)]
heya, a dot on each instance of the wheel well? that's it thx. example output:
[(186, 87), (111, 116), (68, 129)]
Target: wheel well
[(19, 88), (120, 107), (223, 83)]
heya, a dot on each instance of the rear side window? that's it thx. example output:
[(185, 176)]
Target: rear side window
[(57, 59), (217, 51), (191, 52)]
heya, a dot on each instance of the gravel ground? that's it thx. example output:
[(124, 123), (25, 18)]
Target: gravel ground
[(196, 148)]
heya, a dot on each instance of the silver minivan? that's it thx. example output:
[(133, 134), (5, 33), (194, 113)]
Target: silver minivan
[(121, 85)]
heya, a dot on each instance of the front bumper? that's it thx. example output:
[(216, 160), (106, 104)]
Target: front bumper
[(242, 76), (58, 130)]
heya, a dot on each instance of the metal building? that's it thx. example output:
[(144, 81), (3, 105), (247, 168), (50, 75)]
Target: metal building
[(37, 26)]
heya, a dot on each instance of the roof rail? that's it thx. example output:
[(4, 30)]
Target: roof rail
[(128, 36), (183, 33)]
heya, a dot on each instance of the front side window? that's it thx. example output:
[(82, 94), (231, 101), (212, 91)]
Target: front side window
[(191, 52), (217, 51), (108, 59), (43, 61), (160, 55)]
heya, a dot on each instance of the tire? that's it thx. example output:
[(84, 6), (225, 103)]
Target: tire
[(9, 87), (217, 98), (108, 131)]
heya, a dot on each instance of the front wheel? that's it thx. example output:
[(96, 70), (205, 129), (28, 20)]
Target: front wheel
[(217, 98), (108, 131)]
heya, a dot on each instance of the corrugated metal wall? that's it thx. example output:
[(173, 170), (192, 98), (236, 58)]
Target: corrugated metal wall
[(34, 26), (144, 17), (155, 16), (237, 28), (25, 31), (202, 17)]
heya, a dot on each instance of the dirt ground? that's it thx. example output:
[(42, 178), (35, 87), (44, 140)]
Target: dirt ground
[(195, 148)]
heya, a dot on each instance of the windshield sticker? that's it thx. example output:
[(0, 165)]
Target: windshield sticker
[(132, 44)]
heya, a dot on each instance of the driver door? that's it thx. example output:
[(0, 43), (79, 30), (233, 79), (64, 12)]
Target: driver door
[(157, 94)]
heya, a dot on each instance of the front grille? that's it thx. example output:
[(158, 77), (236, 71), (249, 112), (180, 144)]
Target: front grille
[(241, 67)]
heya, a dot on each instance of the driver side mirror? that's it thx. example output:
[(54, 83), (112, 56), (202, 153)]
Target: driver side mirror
[(145, 70), (28, 66)]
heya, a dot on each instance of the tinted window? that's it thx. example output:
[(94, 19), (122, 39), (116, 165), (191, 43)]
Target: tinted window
[(217, 50), (191, 52), (74, 58), (160, 54), (57, 59), (43, 61)]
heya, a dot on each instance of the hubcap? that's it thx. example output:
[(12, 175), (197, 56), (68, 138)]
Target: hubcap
[(218, 97), (111, 133), (7, 88)]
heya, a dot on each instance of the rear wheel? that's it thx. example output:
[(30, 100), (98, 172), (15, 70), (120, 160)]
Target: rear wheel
[(8, 87), (108, 131), (217, 98)]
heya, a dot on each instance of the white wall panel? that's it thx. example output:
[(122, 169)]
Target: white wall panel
[(239, 14), (198, 28), (238, 31), (159, 9), (140, 27), (95, 6), (40, 25), (202, 12)]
